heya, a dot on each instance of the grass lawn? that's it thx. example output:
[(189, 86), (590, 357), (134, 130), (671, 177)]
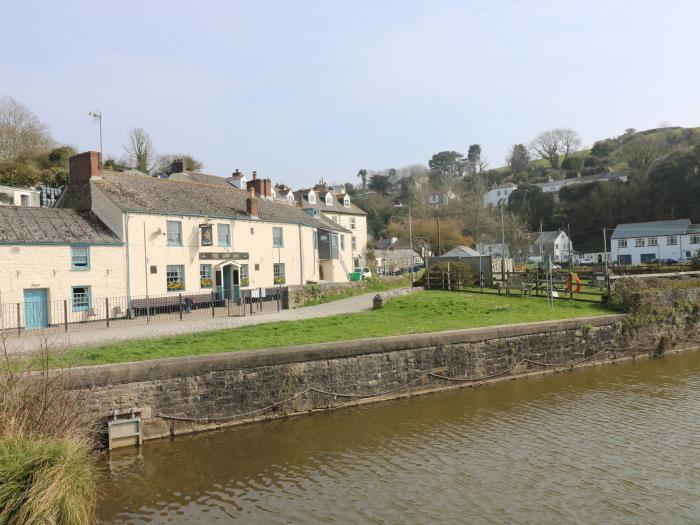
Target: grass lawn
[(429, 311)]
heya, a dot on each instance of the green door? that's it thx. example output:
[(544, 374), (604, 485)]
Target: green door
[(226, 271)]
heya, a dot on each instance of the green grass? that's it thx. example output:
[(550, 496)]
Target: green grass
[(429, 311)]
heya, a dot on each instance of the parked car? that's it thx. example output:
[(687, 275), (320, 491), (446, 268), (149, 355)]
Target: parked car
[(556, 267), (364, 272), (585, 261), (418, 267), (663, 261)]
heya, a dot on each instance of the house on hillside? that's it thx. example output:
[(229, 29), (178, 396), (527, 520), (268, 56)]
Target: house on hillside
[(498, 196), (395, 255), (642, 242), (495, 249), (25, 197)]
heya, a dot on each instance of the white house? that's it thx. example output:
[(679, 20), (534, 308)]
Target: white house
[(555, 243), (642, 242), (499, 195), (496, 249)]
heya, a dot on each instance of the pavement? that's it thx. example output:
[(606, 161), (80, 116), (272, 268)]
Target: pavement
[(30, 342)]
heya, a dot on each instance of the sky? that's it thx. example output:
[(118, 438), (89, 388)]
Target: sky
[(300, 90)]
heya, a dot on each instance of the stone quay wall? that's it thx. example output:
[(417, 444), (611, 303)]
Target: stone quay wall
[(190, 394)]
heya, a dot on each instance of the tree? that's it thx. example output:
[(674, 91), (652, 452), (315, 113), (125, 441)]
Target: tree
[(362, 175), (603, 148), (551, 144), (674, 183), (59, 156), (164, 163), (425, 233), (22, 134), (448, 162), (641, 152), (518, 158), (532, 204), (140, 150), (380, 183)]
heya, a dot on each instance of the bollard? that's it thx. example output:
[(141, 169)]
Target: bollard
[(65, 315), (377, 302), (107, 310)]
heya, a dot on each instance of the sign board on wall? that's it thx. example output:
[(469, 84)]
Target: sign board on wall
[(223, 256)]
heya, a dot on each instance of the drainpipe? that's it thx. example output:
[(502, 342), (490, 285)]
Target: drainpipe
[(128, 272), (301, 258)]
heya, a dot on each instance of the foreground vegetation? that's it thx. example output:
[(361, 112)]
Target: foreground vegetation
[(48, 473), (417, 313)]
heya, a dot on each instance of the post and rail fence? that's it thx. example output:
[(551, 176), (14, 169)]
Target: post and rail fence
[(108, 312)]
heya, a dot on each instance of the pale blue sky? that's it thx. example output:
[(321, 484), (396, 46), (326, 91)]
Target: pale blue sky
[(300, 90)]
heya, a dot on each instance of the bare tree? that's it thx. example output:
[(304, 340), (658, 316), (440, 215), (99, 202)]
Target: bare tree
[(140, 150), (551, 144), (641, 152), (21, 131)]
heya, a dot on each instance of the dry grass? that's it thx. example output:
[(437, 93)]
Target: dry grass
[(47, 467)]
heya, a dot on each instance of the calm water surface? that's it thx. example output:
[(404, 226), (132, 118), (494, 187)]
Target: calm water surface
[(617, 444)]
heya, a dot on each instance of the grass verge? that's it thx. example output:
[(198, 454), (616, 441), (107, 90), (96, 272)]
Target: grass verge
[(428, 311), (320, 296)]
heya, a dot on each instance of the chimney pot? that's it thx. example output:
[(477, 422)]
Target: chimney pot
[(255, 175), (177, 166)]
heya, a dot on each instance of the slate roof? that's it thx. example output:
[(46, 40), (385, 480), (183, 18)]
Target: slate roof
[(461, 251), (337, 207), (547, 237), (20, 225), (204, 178), (651, 229), (136, 193)]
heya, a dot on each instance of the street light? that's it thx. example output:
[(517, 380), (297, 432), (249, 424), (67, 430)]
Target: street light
[(97, 116)]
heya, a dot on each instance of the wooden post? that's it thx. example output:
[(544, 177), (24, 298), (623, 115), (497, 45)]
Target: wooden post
[(213, 313), (251, 302), (107, 310), (259, 299), (65, 315), (148, 310), (179, 300), (228, 302), (19, 319)]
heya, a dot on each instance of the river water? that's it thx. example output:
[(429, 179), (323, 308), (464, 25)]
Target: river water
[(613, 444)]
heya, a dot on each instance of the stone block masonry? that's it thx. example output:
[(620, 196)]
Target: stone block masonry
[(190, 394)]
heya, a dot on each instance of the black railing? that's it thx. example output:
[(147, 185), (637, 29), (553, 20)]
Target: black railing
[(109, 312)]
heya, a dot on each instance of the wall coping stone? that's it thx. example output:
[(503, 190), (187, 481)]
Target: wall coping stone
[(187, 366)]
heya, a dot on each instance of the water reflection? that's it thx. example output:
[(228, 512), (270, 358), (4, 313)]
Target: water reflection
[(610, 444)]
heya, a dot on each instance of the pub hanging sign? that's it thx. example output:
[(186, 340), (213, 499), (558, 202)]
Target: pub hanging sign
[(207, 235), (223, 256)]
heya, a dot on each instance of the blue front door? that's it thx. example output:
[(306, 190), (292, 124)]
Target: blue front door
[(36, 309)]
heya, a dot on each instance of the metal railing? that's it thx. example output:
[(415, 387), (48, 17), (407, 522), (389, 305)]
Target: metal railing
[(109, 312)]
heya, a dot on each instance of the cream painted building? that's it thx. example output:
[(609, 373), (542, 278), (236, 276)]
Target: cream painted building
[(57, 266), (339, 208), (197, 238)]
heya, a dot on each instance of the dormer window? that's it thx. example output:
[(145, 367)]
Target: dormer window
[(312, 198), (329, 199), (346, 201), (290, 198)]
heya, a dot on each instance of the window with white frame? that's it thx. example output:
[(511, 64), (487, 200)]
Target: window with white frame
[(290, 198), (277, 237), (671, 240), (346, 201), (353, 244), (278, 271), (312, 198), (175, 277), (652, 241), (334, 218), (639, 243), (174, 233), (622, 243), (695, 239), (342, 242), (79, 257), (329, 199), (80, 298), (353, 224), (205, 276), (223, 233), (243, 275)]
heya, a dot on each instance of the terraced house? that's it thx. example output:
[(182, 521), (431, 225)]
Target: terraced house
[(197, 237)]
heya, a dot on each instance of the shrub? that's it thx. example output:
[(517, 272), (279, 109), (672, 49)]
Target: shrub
[(46, 481)]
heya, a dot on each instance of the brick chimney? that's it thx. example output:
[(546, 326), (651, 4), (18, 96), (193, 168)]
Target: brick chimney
[(263, 187), (84, 166), (251, 203), (177, 166)]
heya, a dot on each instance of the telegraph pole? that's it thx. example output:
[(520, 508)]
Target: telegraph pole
[(410, 240)]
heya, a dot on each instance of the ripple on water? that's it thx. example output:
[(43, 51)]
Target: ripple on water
[(612, 444)]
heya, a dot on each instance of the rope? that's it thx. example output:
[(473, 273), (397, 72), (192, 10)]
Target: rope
[(209, 419)]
